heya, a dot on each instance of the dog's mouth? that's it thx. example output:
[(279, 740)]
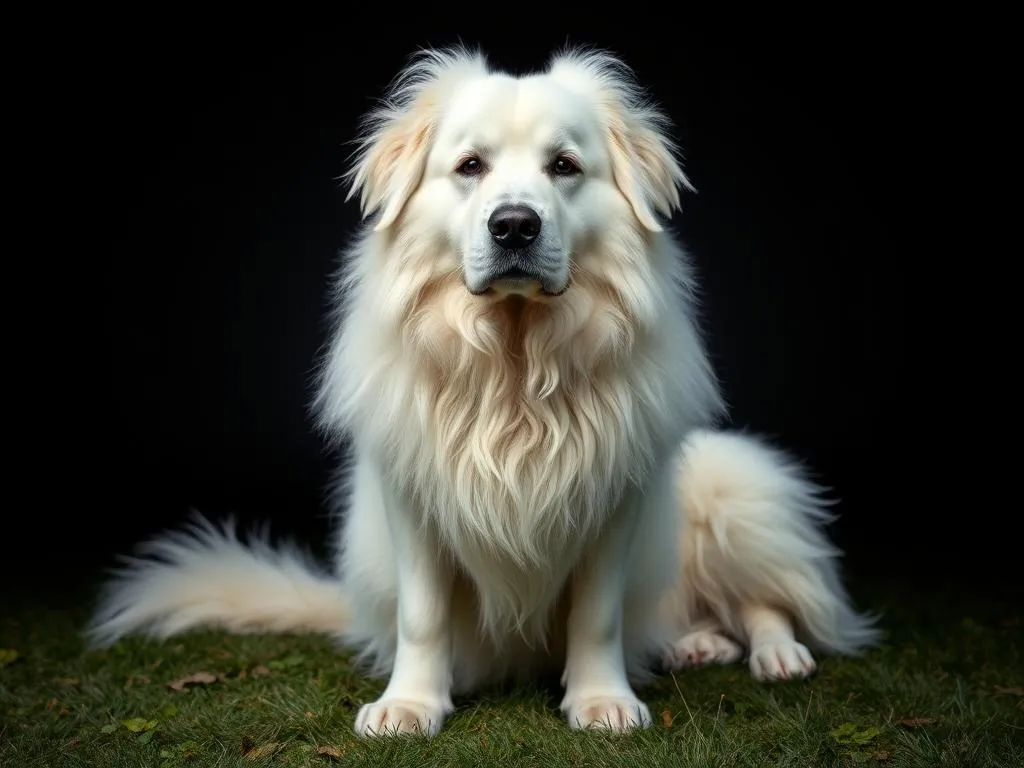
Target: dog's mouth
[(517, 281), (514, 274)]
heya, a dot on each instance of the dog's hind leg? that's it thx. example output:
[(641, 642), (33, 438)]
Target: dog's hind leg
[(706, 642)]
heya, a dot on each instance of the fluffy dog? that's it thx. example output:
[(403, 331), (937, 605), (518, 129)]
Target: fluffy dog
[(534, 483)]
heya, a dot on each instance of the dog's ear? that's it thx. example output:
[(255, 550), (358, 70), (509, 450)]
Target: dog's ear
[(391, 167), (645, 161), (646, 167), (397, 135)]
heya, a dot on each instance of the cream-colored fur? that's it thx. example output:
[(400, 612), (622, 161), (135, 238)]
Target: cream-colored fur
[(532, 485)]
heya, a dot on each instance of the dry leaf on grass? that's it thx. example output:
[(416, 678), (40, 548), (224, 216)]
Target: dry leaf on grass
[(198, 678), (263, 750), (1010, 691), (333, 752), (259, 671), (666, 718), (917, 722)]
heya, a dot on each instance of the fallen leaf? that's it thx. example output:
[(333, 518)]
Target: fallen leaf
[(260, 671), (109, 728), (1009, 691), (917, 722), (198, 678), (190, 749), (139, 724), (880, 755), (264, 750), (51, 703), (848, 733), (309, 714), (167, 711), (666, 718), (328, 750), (73, 743), (7, 656)]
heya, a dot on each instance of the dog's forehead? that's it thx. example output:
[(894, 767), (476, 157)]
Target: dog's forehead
[(501, 110)]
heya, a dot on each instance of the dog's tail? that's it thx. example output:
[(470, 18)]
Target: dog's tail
[(205, 577), (754, 535)]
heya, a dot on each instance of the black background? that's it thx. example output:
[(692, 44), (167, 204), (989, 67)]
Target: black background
[(218, 216)]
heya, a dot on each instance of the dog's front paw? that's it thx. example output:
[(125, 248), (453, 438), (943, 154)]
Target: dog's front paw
[(699, 648), (390, 717), (781, 661), (612, 713)]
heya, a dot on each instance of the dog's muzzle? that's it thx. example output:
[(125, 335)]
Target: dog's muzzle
[(517, 265)]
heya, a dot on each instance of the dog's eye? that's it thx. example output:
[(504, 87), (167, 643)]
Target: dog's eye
[(565, 166), (471, 166)]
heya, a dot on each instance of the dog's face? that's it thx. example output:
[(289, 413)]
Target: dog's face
[(518, 175)]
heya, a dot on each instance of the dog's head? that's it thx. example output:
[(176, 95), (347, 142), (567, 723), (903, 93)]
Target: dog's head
[(516, 174)]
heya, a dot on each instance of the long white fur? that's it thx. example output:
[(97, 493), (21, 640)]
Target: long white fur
[(532, 484)]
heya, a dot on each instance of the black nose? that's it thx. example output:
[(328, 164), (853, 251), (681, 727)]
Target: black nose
[(514, 226)]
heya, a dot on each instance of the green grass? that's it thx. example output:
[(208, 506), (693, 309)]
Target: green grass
[(945, 690)]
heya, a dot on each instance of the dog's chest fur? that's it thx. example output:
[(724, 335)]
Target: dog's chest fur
[(522, 455)]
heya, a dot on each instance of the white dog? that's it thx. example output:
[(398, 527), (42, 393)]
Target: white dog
[(518, 367)]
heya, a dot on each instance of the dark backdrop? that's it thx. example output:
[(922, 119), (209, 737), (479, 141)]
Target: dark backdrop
[(221, 216)]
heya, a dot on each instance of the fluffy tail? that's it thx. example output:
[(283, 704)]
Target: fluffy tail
[(754, 535), (204, 576)]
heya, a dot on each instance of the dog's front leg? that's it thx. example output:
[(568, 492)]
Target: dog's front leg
[(418, 695), (597, 692)]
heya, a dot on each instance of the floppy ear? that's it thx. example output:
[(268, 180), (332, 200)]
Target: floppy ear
[(646, 169), (391, 167), (398, 134), (645, 161)]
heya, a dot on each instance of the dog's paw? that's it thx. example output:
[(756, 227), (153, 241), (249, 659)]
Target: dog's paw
[(391, 717), (699, 648), (611, 713), (781, 661)]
